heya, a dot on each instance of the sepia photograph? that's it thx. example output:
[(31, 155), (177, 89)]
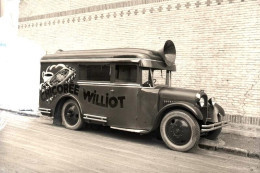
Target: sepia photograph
[(131, 86)]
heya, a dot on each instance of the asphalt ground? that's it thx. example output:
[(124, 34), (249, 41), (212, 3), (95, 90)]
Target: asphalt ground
[(30, 144)]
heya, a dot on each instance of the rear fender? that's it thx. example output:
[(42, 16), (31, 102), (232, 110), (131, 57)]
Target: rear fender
[(57, 111)]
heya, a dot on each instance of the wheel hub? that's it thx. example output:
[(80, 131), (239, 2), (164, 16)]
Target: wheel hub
[(178, 131), (71, 114)]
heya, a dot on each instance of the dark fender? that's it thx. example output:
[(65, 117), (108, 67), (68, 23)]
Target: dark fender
[(57, 111), (177, 105), (213, 117)]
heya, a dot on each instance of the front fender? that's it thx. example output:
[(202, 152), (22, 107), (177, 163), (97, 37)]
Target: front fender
[(177, 105), (220, 109), (216, 113)]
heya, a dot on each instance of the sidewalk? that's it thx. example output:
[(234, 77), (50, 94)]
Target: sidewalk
[(233, 144), (238, 139)]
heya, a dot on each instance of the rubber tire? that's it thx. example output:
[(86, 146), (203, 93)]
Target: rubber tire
[(195, 134), (213, 134), (80, 121)]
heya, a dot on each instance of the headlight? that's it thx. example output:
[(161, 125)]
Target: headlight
[(202, 102), (212, 101)]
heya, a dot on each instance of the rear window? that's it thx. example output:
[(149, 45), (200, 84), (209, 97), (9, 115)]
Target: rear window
[(94, 72), (126, 73)]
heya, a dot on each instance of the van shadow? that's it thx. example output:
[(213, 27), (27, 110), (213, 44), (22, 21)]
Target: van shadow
[(150, 139), (106, 131)]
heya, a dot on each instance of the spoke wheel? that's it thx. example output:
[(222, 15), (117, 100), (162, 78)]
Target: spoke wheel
[(180, 130), (71, 116)]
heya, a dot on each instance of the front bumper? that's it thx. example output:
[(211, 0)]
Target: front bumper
[(214, 126)]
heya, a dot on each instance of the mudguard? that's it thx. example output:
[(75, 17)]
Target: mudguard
[(215, 113), (214, 119), (58, 106), (178, 105)]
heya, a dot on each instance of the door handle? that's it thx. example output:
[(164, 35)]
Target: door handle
[(112, 90)]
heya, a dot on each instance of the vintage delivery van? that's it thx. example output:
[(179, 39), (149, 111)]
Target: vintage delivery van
[(127, 89)]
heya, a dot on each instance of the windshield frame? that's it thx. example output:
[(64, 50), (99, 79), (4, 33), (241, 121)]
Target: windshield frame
[(151, 77)]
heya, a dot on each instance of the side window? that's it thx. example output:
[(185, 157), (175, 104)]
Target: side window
[(126, 73), (94, 72)]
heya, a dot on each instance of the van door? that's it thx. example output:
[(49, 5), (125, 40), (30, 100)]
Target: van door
[(123, 97), (94, 81)]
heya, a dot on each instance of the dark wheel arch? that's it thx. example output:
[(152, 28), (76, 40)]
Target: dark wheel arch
[(187, 107), (71, 115), (57, 120), (180, 131)]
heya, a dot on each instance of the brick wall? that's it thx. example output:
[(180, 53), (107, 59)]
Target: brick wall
[(217, 41)]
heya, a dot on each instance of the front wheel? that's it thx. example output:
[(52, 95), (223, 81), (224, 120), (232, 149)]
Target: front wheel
[(71, 116), (180, 131)]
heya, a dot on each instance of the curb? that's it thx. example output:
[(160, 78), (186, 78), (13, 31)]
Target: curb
[(23, 113), (231, 150)]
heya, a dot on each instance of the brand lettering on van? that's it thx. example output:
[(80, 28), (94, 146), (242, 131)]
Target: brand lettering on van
[(57, 79), (103, 100), (60, 89)]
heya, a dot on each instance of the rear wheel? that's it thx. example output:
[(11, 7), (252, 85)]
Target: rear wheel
[(180, 131), (71, 116)]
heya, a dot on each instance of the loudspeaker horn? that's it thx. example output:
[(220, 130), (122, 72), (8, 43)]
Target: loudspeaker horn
[(168, 53)]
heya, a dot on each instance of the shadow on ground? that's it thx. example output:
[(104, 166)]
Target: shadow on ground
[(150, 139)]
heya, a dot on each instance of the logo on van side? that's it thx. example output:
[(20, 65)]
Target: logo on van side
[(60, 89), (103, 100), (56, 80)]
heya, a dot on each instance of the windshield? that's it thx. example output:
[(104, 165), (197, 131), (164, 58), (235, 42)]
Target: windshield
[(153, 77)]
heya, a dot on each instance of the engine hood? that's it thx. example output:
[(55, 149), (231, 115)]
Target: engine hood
[(179, 94)]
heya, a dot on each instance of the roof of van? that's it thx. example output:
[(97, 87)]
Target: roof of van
[(146, 58)]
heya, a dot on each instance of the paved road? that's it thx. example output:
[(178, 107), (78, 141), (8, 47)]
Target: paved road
[(29, 144)]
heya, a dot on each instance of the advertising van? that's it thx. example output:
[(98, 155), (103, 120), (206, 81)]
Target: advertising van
[(127, 89)]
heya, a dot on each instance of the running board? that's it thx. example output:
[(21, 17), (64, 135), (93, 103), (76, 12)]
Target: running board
[(45, 111), (130, 130), (95, 118)]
